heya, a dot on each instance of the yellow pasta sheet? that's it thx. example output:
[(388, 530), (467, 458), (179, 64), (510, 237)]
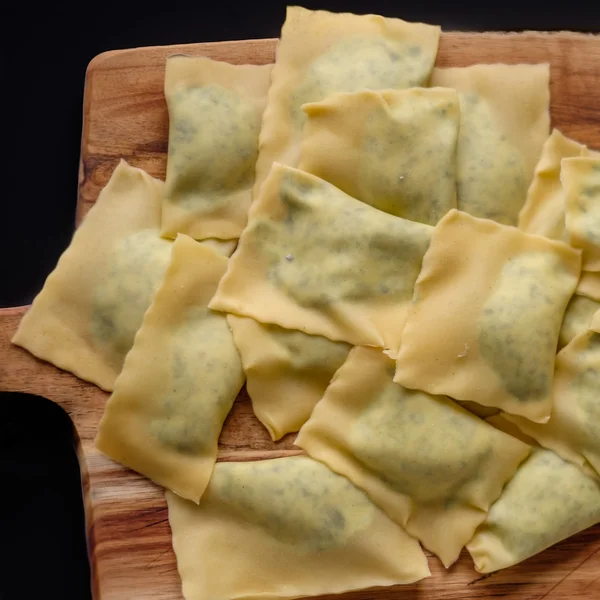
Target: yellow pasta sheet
[(320, 53), (487, 311), (394, 150), (578, 318), (317, 260), (505, 120), (544, 209), (573, 432), (215, 114), (179, 381), (286, 371), (85, 318), (546, 501), (589, 285), (286, 528), (432, 466)]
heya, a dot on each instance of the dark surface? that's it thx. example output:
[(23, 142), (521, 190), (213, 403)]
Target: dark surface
[(46, 48)]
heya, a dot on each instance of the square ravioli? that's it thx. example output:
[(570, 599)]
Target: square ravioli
[(215, 114), (179, 380), (573, 431), (544, 209), (286, 371), (546, 501), (320, 53), (505, 119), (286, 528), (431, 465), (394, 150), (85, 318), (319, 261), (489, 302)]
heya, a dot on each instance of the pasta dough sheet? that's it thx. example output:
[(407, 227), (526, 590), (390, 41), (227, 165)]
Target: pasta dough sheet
[(578, 318), (85, 318), (589, 285), (547, 501), (505, 119), (581, 182), (490, 301), (573, 432), (179, 380), (320, 53), (544, 209), (286, 528), (394, 150), (319, 261), (215, 114), (286, 371), (432, 466)]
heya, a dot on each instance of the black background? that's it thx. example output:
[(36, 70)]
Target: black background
[(45, 50)]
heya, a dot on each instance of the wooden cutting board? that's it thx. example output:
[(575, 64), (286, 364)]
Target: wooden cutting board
[(125, 115)]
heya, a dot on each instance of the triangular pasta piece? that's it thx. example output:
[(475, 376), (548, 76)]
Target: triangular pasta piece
[(215, 113), (286, 371), (489, 302), (432, 466), (317, 260), (546, 501), (505, 119), (394, 150), (179, 380), (286, 528), (544, 209), (320, 53)]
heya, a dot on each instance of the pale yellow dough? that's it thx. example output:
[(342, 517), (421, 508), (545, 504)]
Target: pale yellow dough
[(215, 113), (505, 119), (85, 318), (573, 432), (578, 318), (286, 528), (287, 371), (394, 150), (320, 53), (319, 261), (581, 182), (544, 209), (179, 380), (589, 285), (432, 466), (547, 501), (489, 302)]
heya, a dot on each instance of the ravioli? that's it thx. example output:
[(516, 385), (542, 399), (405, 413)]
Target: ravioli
[(505, 119), (490, 301), (432, 466), (573, 432), (286, 371), (307, 530), (320, 53), (394, 150), (544, 209), (319, 261), (179, 380), (215, 114), (577, 319), (546, 501)]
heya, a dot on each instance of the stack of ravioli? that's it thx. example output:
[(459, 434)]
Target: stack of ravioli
[(400, 262)]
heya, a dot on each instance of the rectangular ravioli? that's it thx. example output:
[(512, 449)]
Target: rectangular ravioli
[(85, 318), (546, 501), (215, 114), (431, 465), (286, 371), (179, 380), (317, 260), (489, 302), (394, 150), (505, 120), (286, 528), (320, 53)]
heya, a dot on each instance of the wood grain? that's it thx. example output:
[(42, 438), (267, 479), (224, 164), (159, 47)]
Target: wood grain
[(129, 538)]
